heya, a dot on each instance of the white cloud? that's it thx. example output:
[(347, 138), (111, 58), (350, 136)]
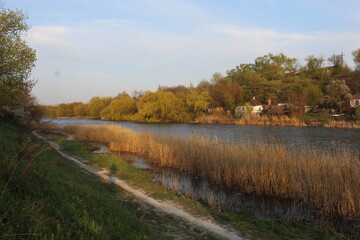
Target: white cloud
[(115, 55), (51, 35)]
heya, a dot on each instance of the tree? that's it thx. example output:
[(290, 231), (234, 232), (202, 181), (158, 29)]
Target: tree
[(96, 105), (273, 67), (314, 66), (17, 60), (161, 105), (314, 95), (338, 92), (356, 58), (198, 101), (120, 108), (337, 62), (80, 110), (357, 113), (226, 93)]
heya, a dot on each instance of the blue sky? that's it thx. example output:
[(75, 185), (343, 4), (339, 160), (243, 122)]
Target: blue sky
[(89, 48)]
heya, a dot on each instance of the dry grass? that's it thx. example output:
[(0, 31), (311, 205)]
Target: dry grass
[(342, 124), (283, 120), (215, 118), (328, 180)]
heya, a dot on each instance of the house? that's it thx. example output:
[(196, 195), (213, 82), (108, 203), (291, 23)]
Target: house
[(355, 100), (253, 106)]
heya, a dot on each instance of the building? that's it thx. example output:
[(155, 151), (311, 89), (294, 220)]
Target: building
[(355, 100), (253, 106)]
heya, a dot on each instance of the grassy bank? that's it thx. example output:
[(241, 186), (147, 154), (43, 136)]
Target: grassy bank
[(328, 180), (43, 196), (248, 225)]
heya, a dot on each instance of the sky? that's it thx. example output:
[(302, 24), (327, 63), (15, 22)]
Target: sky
[(88, 48)]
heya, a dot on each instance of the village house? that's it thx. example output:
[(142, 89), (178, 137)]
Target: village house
[(253, 106), (355, 100)]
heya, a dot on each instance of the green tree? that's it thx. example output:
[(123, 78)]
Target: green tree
[(120, 108), (198, 101), (80, 110), (17, 60), (356, 58), (337, 61), (273, 67), (357, 113), (96, 105), (314, 95), (226, 93), (161, 105), (314, 64)]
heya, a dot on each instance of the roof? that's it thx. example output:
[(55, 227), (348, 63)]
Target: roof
[(356, 96), (254, 102)]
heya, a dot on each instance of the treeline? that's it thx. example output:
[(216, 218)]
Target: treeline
[(270, 79)]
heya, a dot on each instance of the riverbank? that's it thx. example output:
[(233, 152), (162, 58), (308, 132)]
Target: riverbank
[(249, 226), (310, 175), (45, 196), (326, 182)]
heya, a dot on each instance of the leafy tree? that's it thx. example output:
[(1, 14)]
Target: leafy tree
[(357, 113), (161, 105), (356, 58), (314, 67), (198, 101), (274, 67), (17, 60), (337, 61), (226, 93), (314, 95), (96, 105), (80, 110), (337, 93), (120, 108)]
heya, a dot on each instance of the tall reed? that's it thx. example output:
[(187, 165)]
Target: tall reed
[(328, 180), (283, 120), (342, 124)]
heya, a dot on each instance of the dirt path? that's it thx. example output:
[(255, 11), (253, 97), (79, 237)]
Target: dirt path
[(166, 207)]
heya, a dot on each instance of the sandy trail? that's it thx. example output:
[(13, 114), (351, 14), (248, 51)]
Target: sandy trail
[(166, 207)]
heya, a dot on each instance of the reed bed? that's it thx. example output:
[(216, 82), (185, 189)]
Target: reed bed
[(327, 180), (283, 120), (342, 124)]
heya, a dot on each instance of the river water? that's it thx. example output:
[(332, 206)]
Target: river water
[(316, 137)]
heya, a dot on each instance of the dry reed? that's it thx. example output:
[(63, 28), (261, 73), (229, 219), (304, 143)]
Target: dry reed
[(283, 120), (342, 124), (328, 180)]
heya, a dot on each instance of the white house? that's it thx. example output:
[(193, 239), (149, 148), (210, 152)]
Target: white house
[(355, 100), (255, 106)]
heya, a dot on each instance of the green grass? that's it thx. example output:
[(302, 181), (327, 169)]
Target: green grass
[(316, 117), (54, 199), (250, 226)]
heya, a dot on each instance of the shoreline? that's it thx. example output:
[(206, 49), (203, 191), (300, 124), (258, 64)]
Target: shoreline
[(287, 122)]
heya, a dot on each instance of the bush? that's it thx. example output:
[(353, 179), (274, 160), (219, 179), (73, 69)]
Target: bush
[(357, 113)]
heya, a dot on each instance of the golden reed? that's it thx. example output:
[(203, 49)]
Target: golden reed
[(282, 120), (329, 180)]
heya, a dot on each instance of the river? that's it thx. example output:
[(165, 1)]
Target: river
[(316, 137)]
